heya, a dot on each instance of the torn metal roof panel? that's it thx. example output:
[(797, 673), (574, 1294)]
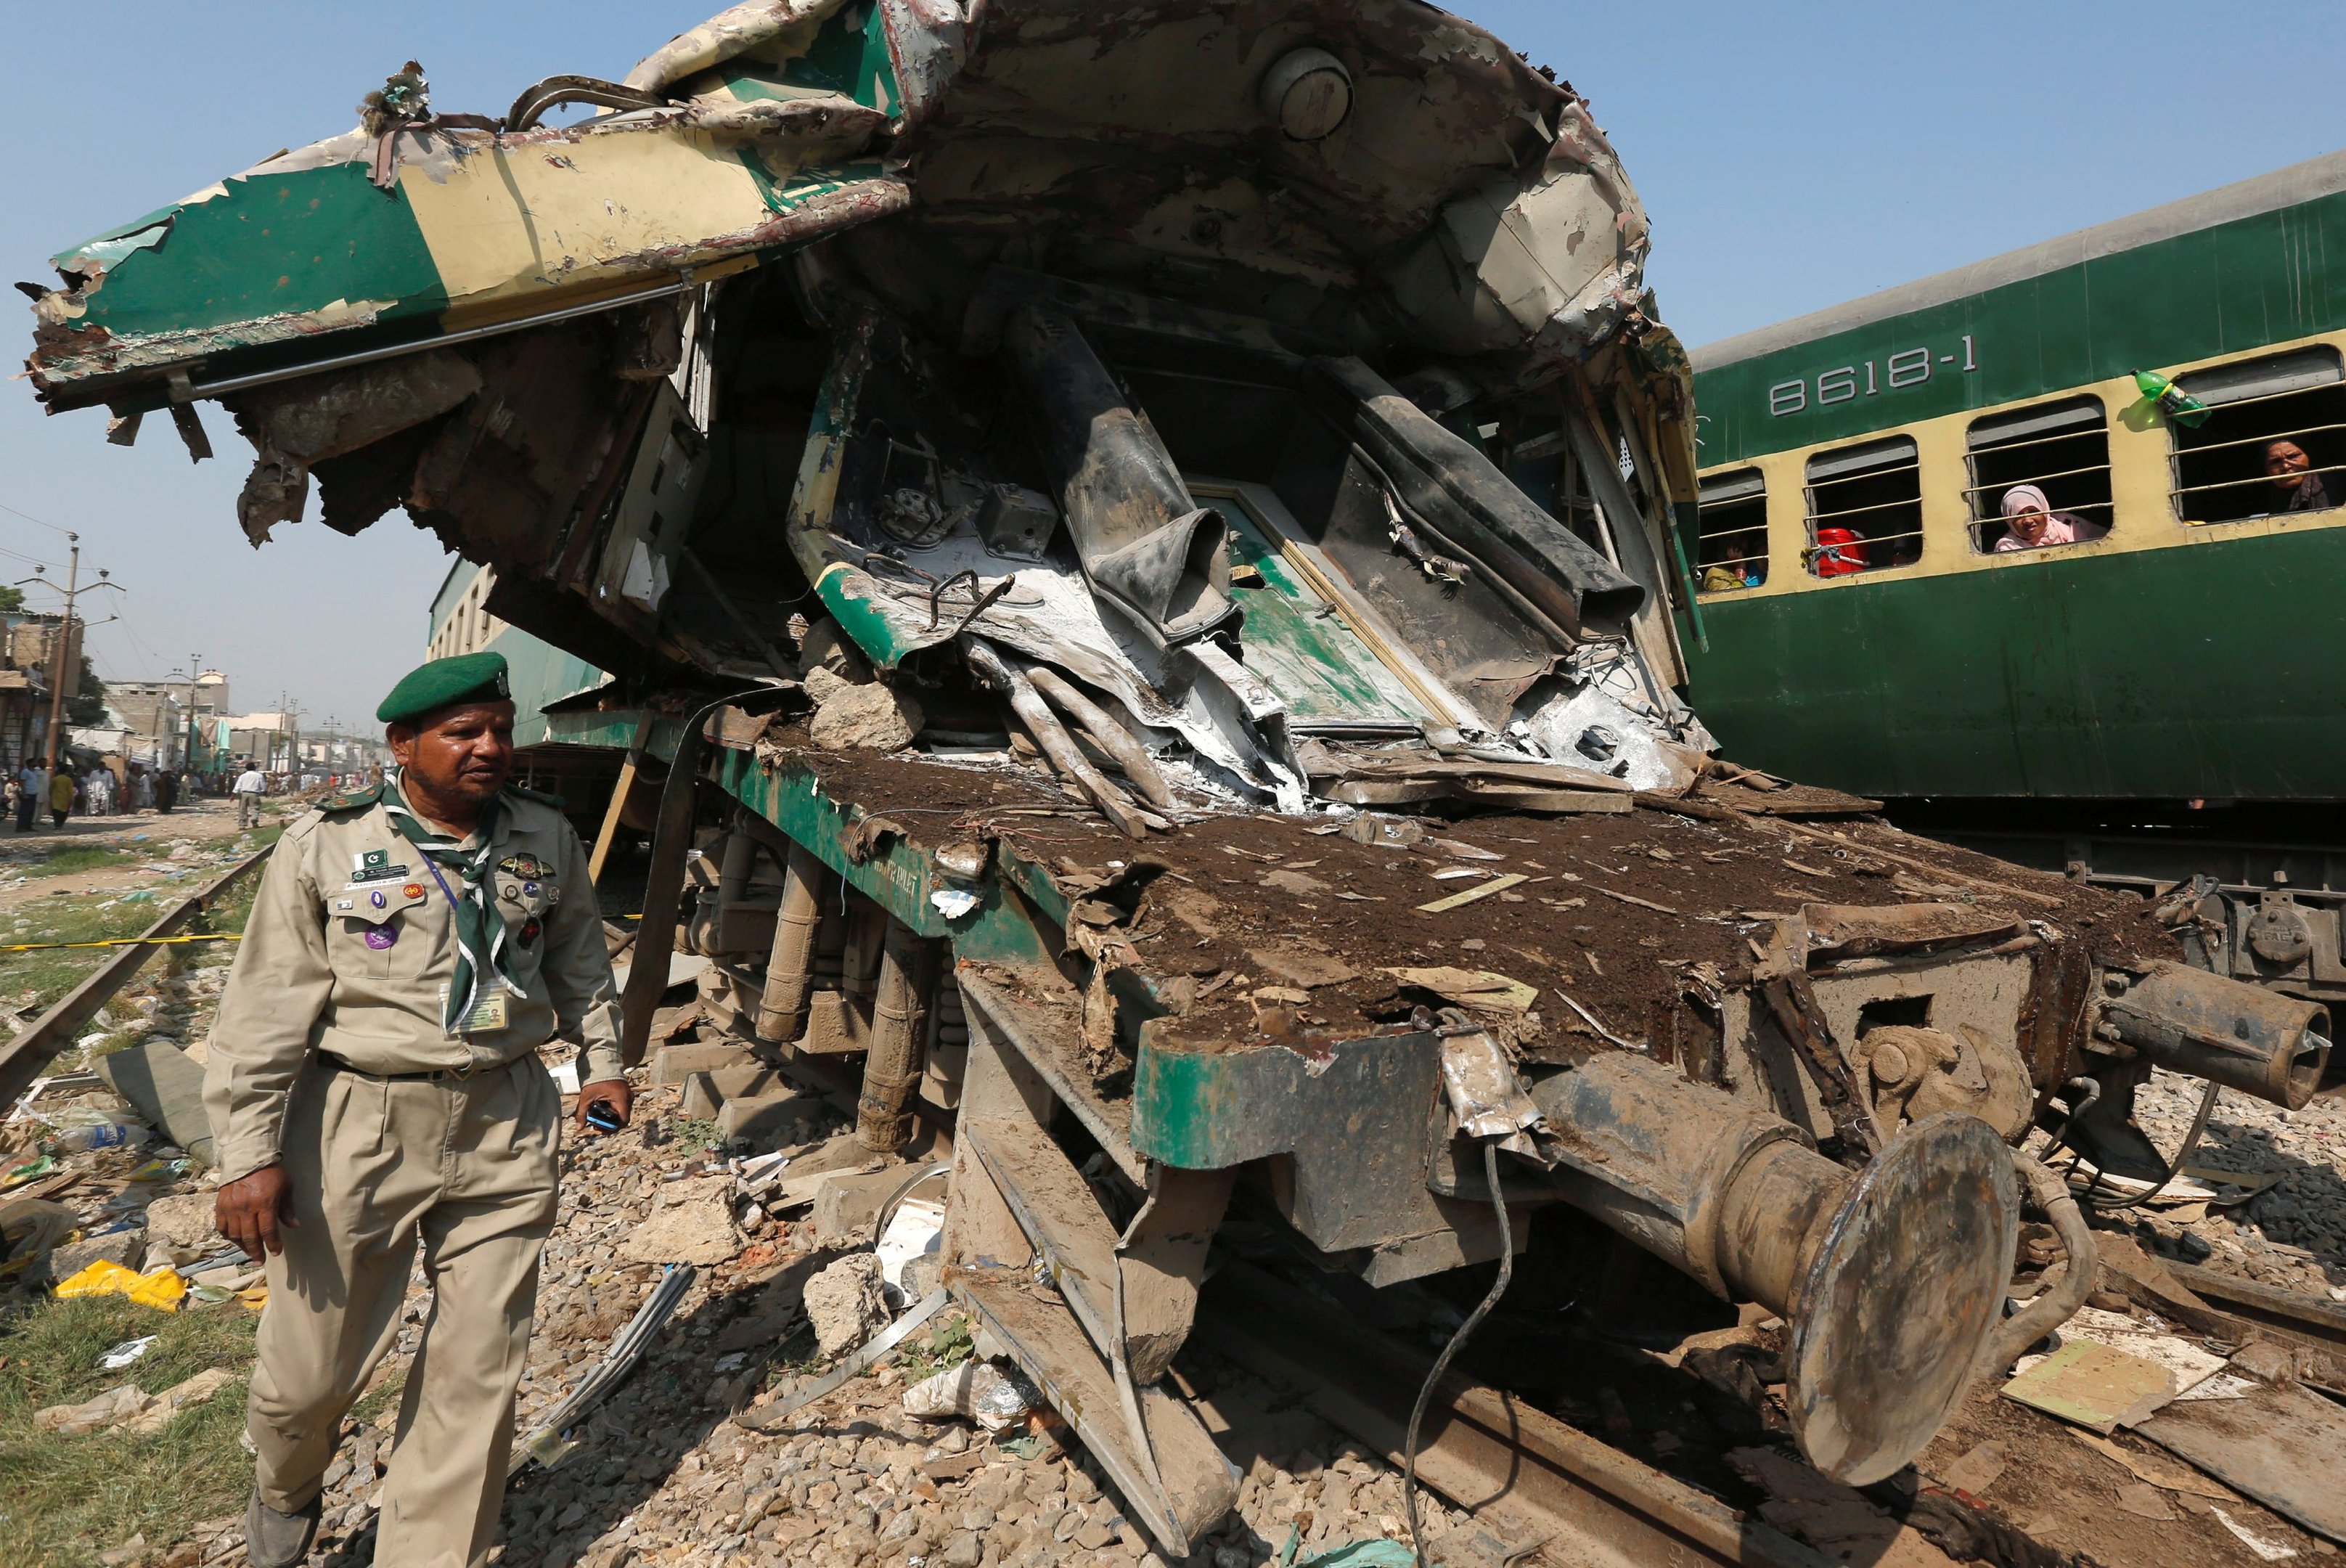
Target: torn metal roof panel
[(1385, 163)]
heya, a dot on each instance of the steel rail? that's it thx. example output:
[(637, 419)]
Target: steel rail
[(2302, 1316), (1542, 1482), (22, 1059)]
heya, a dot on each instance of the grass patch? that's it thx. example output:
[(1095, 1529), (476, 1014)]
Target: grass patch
[(694, 1132), (72, 858), (38, 979), (380, 1400), (64, 1500)]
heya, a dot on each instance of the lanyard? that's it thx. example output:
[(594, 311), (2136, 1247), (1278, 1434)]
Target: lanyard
[(430, 865)]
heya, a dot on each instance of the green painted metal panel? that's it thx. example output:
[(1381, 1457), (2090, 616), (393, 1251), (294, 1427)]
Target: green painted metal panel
[(849, 56), (2228, 288), (1360, 1110), (539, 673), (897, 876), (1318, 664), (269, 245), (2202, 671)]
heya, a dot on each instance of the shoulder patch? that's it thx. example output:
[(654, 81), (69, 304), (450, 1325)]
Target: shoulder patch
[(350, 800)]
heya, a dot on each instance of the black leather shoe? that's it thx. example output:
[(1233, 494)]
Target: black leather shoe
[(274, 1539)]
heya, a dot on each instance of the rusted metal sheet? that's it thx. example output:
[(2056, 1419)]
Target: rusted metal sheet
[(2278, 1443)]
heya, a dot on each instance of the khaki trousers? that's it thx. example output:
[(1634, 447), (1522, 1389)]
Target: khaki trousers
[(468, 1166)]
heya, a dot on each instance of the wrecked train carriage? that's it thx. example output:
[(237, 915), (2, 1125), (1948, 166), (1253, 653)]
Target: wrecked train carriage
[(1119, 383)]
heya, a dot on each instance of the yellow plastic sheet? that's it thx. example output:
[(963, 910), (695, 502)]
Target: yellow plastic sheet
[(163, 1290)]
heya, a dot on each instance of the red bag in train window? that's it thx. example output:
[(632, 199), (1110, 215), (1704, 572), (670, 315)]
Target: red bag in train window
[(1840, 551)]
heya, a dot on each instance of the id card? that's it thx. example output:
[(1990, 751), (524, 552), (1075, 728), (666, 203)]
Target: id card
[(490, 1010)]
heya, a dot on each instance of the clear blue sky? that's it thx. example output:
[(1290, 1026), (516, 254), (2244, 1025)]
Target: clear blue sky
[(1791, 156)]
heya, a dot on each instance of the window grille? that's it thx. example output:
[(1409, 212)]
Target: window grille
[(1865, 507), (2222, 466), (2063, 448), (1731, 528)]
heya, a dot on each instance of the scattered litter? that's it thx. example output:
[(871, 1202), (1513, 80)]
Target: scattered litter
[(995, 1398), (913, 1232), (122, 1355), (2191, 1364), (1458, 873), (103, 1133), (952, 903), (1375, 1552), (109, 1409), (2270, 1551), (1455, 900), (2156, 1469), (1978, 1469), (566, 1076), (31, 1170), (1481, 989), (2097, 1387), (162, 1289), (180, 1397)]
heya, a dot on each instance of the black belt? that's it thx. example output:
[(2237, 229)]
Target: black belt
[(436, 1075)]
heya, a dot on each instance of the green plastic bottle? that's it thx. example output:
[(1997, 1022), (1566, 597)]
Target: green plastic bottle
[(2178, 406)]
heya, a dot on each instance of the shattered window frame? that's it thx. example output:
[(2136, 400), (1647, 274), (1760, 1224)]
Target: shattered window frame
[(1842, 468), (2039, 444), (2298, 394)]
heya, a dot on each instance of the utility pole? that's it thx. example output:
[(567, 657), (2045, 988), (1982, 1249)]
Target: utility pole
[(57, 674), (195, 667), (59, 671), (293, 732)]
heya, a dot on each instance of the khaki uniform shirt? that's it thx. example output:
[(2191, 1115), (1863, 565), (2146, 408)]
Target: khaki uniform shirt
[(350, 948)]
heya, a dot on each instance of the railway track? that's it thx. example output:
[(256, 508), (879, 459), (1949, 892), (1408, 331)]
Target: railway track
[(1551, 1489), (2305, 1319)]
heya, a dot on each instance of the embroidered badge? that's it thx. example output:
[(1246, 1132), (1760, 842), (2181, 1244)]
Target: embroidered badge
[(530, 929), (529, 867), (377, 899), (413, 889), (379, 937)]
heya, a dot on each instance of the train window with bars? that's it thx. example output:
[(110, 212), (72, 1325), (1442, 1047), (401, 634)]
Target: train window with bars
[(1865, 507), (2061, 448), (1731, 529), (2227, 467)]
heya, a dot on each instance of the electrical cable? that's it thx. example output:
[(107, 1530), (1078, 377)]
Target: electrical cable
[(1457, 1342), (2171, 1168)]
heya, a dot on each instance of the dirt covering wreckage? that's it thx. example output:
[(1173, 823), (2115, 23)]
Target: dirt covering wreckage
[(1145, 538)]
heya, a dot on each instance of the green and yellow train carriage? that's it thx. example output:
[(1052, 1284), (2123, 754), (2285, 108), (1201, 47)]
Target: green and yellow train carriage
[(2183, 661)]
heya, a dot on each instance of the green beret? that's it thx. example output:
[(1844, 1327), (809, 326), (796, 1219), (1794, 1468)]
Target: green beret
[(445, 682)]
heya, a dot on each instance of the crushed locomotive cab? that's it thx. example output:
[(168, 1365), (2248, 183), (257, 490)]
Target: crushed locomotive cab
[(1147, 541)]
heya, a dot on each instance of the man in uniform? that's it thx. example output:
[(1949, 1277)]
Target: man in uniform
[(374, 1080)]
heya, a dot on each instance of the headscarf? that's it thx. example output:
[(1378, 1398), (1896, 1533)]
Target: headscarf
[(2023, 498), (481, 946)]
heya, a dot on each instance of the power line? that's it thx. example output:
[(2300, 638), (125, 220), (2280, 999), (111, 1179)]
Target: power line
[(28, 518)]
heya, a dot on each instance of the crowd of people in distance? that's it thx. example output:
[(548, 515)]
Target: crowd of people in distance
[(91, 791)]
